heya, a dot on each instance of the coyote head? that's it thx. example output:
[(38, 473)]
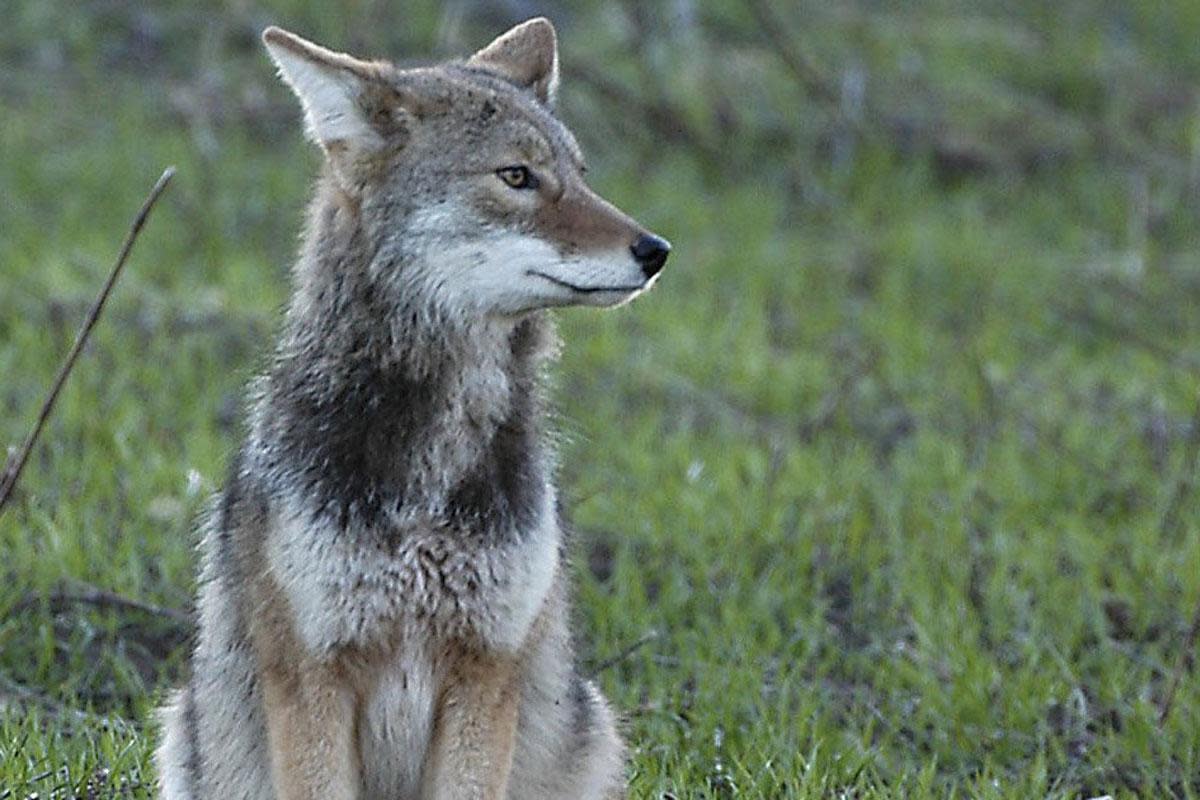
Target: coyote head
[(465, 189)]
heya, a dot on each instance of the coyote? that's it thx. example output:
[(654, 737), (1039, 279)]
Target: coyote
[(383, 604)]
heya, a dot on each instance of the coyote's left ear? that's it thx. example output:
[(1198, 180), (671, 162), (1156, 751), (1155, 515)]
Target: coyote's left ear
[(527, 55)]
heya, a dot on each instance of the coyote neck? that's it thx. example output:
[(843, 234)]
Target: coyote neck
[(384, 416)]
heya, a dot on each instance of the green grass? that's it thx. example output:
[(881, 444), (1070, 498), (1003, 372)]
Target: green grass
[(887, 489)]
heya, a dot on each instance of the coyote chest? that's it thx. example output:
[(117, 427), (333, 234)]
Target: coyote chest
[(417, 598), (354, 588)]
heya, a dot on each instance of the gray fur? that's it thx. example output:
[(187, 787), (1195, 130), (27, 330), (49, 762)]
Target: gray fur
[(396, 480)]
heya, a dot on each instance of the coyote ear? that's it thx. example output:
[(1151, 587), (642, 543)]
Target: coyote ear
[(527, 55), (329, 86)]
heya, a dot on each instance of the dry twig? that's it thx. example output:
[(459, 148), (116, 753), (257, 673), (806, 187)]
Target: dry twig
[(1183, 481), (806, 73), (17, 696), (1167, 525), (629, 650), (102, 598), (1189, 645), (8, 480), (668, 122)]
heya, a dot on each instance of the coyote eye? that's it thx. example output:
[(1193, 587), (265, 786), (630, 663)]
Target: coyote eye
[(518, 177)]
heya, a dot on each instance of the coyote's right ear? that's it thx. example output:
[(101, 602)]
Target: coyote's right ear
[(338, 93)]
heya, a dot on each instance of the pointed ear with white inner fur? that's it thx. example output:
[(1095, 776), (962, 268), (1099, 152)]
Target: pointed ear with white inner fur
[(331, 88), (526, 55)]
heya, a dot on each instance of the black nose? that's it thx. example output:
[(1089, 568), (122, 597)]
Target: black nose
[(651, 252)]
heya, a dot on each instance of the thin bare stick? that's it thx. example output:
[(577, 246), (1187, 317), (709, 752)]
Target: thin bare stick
[(12, 472), (641, 642), (17, 696), (1169, 523), (1189, 645), (102, 598), (806, 73), (668, 121), (1167, 526)]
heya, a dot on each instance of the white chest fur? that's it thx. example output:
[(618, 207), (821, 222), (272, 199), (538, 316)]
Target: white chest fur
[(397, 722), (349, 588)]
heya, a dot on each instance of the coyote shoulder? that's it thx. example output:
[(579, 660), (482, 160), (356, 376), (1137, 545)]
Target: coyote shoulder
[(383, 604)]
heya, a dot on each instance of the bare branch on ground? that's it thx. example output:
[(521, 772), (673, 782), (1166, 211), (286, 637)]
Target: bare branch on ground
[(1167, 527), (1185, 652), (102, 598), (629, 650), (15, 695), (1183, 480)]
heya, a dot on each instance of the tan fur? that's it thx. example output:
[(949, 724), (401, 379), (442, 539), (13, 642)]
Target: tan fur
[(384, 609), (310, 707), (475, 727)]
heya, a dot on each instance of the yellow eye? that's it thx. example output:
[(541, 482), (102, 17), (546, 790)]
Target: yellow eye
[(518, 177)]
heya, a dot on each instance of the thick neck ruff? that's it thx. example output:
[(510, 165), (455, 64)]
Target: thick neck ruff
[(382, 413)]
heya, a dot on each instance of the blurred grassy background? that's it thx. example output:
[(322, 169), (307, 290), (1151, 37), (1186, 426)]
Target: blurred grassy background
[(886, 491)]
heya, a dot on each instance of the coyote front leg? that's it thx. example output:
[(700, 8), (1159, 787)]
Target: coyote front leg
[(310, 707), (310, 728), (474, 731)]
